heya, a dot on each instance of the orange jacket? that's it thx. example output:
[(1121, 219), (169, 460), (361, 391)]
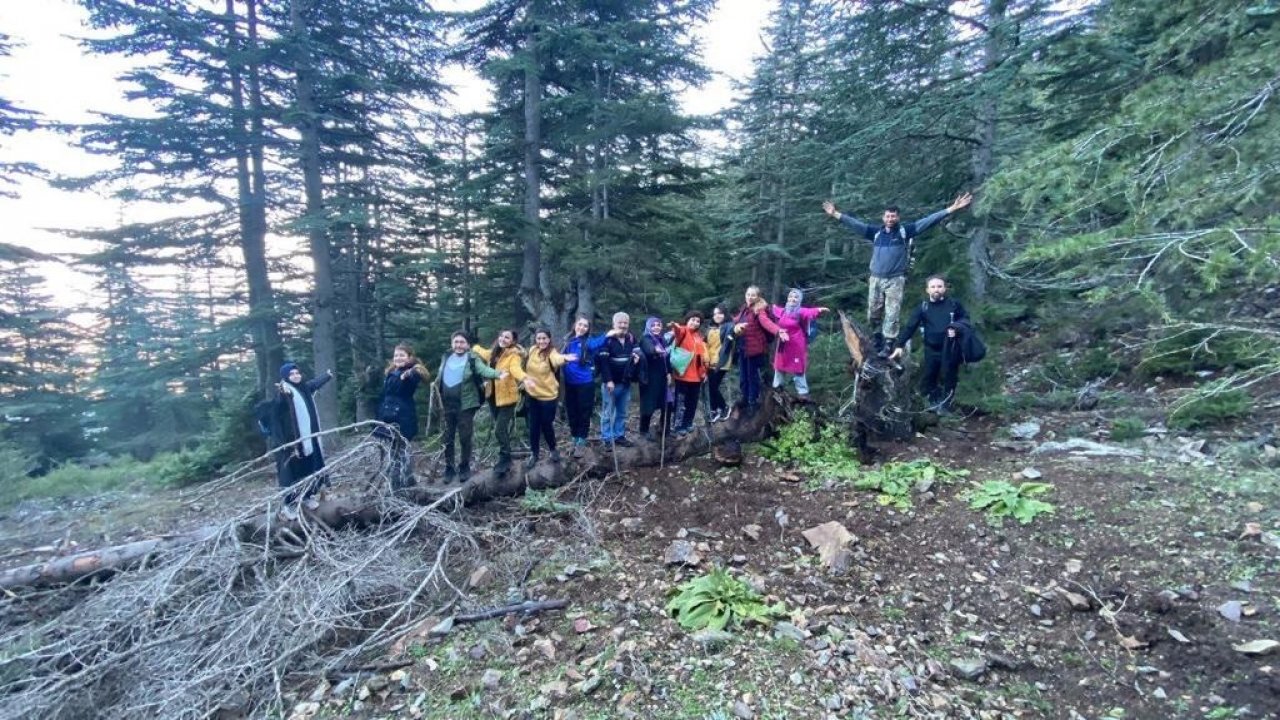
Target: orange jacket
[(690, 340)]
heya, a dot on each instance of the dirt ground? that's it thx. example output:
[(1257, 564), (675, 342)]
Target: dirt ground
[(1115, 606)]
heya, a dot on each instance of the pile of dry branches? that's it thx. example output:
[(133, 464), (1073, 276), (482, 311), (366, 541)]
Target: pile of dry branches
[(216, 625)]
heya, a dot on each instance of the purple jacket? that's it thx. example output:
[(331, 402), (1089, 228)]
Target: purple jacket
[(793, 355)]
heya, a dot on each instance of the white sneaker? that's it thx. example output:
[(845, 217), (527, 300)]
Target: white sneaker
[(288, 514), (311, 504)]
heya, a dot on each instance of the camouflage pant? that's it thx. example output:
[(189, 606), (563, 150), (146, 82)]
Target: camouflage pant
[(884, 304)]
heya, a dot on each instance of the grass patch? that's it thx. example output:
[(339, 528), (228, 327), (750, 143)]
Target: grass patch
[(544, 502), (72, 480), (1210, 408)]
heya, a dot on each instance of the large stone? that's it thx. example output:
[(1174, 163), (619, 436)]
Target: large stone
[(968, 668), (480, 577), (682, 552), (830, 539)]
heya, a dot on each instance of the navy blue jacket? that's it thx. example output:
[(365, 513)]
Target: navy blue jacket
[(397, 405), (890, 249)]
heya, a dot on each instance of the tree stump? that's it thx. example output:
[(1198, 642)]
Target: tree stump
[(882, 407)]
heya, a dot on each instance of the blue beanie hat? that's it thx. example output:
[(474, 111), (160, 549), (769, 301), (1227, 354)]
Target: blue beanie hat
[(287, 368)]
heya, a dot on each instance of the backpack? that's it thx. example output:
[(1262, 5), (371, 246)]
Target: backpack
[(970, 345), (811, 330), (262, 416)]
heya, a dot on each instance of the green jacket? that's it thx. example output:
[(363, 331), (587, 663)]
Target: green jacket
[(474, 374)]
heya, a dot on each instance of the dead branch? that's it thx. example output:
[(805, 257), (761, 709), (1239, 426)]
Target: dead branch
[(528, 607)]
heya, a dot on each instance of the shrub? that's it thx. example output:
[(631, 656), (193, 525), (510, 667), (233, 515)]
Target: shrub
[(1000, 499), (717, 600), (1210, 407), (1128, 428)]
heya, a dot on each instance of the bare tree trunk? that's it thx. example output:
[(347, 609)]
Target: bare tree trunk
[(534, 281), (983, 158), (323, 342), (252, 195)]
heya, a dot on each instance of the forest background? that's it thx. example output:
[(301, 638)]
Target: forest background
[(1125, 157)]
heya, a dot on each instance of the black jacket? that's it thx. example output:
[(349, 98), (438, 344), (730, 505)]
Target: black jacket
[(934, 317), (614, 363)]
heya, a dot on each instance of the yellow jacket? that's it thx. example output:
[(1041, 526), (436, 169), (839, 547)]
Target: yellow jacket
[(506, 389), (543, 371), (713, 347)]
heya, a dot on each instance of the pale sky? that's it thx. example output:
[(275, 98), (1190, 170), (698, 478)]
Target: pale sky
[(50, 74)]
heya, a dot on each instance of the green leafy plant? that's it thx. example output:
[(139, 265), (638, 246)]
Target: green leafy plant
[(895, 481), (544, 501), (1000, 499), (820, 453), (717, 600)]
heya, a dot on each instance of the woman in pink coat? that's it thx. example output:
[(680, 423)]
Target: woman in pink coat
[(791, 359)]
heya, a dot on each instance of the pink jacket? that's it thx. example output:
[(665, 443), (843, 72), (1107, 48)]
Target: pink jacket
[(793, 355)]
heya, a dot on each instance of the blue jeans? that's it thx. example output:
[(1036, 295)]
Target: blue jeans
[(613, 411)]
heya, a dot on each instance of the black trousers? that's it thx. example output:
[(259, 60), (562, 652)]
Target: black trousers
[(579, 401), (749, 378), (941, 372), (687, 398), (713, 389), (459, 425), (541, 415)]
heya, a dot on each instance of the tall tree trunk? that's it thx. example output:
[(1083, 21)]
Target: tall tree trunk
[(252, 196), (983, 158), (323, 343), (534, 281), (464, 193)]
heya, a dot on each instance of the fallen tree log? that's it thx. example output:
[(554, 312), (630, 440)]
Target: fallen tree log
[(287, 538)]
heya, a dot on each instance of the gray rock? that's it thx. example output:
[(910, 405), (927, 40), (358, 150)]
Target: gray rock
[(787, 630), (742, 711), (713, 639), (1031, 473), (1231, 610), (797, 679), (968, 668), (833, 702), (491, 679), (682, 552), (343, 688), (444, 627), (909, 684), (1024, 430)]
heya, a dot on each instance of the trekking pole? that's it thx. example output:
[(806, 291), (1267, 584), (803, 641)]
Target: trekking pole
[(706, 411)]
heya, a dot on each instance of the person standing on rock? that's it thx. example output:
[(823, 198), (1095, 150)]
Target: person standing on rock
[(505, 356), (791, 359), (295, 433), (937, 316), (753, 328), (460, 381), (397, 408), (891, 246)]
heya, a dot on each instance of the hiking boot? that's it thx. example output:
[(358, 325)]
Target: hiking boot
[(503, 466), (555, 456), (531, 462), (449, 474), (464, 472), (623, 441)]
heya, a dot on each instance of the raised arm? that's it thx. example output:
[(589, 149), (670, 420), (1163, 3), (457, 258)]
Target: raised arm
[(481, 352), (487, 372), (925, 223), (316, 383)]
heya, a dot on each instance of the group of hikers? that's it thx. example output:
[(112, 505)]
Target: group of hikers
[(676, 367)]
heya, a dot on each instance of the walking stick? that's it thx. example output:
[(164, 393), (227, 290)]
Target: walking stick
[(706, 411)]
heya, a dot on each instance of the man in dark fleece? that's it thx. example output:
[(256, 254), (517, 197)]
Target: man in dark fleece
[(890, 255), (937, 316)]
